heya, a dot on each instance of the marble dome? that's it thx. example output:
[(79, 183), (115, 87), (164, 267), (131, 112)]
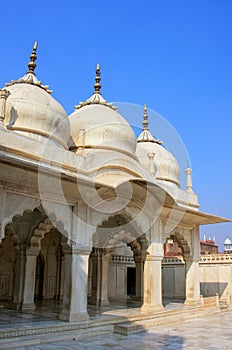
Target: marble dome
[(96, 124), (155, 158), (30, 109), (227, 241)]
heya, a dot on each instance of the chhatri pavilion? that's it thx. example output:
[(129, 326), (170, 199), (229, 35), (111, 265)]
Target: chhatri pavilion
[(86, 208)]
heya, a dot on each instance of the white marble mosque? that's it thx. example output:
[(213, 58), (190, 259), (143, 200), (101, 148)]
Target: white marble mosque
[(85, 207)]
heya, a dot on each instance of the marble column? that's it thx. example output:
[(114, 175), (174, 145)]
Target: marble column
[(104, 277), (24, 279), (29, 280), (192, 274), (139, 263), (58, 273), (62, 279), (152, 284), (192, 270), (75, 285), (19, 275), (100, 266), (2, 204)]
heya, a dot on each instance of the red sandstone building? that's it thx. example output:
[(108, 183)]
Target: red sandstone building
[(207, 246)]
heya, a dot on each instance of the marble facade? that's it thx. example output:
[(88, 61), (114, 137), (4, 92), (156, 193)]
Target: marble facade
[(85, 208)]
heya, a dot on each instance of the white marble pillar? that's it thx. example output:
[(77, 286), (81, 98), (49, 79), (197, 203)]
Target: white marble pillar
[(24, 279), (104, 277), (192, 270), (19, 274), (100, 266), (139, 263), (62, 279), (152, 284), (189, 185), (192, 274), (29, 280), (95, 285), (75, 285), (2, 203), (58, 273)]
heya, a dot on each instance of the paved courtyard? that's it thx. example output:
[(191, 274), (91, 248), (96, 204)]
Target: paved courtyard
[(208, 332)]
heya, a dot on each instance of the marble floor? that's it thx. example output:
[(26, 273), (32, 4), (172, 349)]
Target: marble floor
[(47, 312), (209, 332)]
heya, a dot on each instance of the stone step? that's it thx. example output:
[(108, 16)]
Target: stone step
[(165, 317), (11, 337), (33, 340), (128, 328), (223, 305)]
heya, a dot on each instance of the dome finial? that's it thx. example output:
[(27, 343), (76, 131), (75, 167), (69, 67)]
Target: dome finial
[(30, 77), (145, 117), (97, 85), (145, 135), (33, 58), (96, 97)]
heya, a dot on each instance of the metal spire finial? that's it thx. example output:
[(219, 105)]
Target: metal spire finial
[(145, 135), (97, 85), (30, 77), (33, 58), (96, 97), (145, 117)]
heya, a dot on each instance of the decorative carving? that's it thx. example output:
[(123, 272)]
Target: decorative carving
[(30, 77), (122, 259), (173, 260), (216, 259), (97, 98), (146, 135)]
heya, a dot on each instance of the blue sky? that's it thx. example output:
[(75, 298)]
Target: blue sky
[(174, 55)]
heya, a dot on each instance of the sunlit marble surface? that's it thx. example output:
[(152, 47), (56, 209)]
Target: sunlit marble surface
[(47, 312), (209, 332)]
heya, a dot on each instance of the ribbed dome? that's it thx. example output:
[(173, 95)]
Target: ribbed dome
[(96, 124), (32, 110), (155, 158)]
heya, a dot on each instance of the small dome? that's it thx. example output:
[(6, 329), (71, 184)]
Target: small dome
[(32, 110), (227, 241), (96, 124), (154, 157)]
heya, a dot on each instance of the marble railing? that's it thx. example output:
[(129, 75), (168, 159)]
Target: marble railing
[(169, 260), (216, 259), (121, 258)]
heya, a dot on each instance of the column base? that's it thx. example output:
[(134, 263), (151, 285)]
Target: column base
[(21, 306), (28, 306), (68, 317), (104, 302), (151, 308), (15, 306), (99, 302), (193, 302)]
